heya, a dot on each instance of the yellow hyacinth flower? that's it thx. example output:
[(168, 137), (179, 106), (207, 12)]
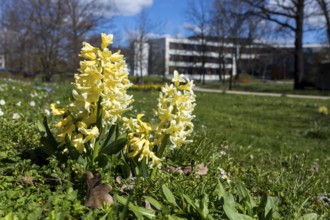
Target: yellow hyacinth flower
[(57, 111), (323, 110), (100, 87), (88, 51), (106, 40), (139, 143), (175, 106)]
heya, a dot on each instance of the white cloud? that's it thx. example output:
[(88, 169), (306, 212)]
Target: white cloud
[(130, 7)]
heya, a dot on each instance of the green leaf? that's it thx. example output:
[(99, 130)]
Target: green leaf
[(169, 195), (173, 217), (309, 216), (220, 191), (49, 143), (205, 205), (102, 160), (122, 200), (141, 212), (266, 207), (110, 136), (245, 196), (154, 202), (190, 202), (232, 214), (114, 147), (74, 153)]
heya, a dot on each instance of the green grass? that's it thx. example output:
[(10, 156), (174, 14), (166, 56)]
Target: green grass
[(268, 143), (255, 85)]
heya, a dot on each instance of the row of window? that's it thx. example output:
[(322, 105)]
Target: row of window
[(217, 49), (196, 70), (195, 59)]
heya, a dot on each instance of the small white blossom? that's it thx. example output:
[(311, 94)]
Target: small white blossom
[(1, 112), (2, 102), (32, 104), (47, 112), (19, 103), (58, 102), (16, 116)]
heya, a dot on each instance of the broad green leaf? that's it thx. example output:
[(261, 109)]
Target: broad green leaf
[(102, 160), (122, 200), (110, 136), (231, 213), (266, 207), (48, 141), (114, 147), (173, 217), (154, 202), (309, 216), (245, 196), (99, 114), (205, 205), (190, 202), (269, 205), (220, 191), (141, 212), (74, 153), (169, 195)]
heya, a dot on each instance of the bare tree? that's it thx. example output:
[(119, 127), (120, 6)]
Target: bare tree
[(236, 31), (81, 19), (288, 15), (325, 11), (44, 35), (197, 15), (139, 37)]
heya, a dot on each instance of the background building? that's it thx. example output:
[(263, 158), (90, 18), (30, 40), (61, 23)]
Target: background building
[(221, 59)]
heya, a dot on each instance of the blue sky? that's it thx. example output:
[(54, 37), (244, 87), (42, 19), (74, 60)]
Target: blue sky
[(168, 12)]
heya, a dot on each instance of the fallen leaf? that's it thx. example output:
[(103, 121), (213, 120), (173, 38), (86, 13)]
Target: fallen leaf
[(97, 193), (201, 169)]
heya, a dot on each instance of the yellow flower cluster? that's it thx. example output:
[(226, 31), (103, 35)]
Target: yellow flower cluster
[(147, 86), (175, 107), (139, 139), (99, 92), (323, 110)]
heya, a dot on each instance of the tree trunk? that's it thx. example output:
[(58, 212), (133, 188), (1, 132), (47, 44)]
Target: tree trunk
[(299, 52)]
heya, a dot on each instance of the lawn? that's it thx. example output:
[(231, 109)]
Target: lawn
[(265, 157), (248, 83)]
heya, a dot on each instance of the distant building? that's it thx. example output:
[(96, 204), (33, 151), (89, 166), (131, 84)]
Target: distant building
[(184, 54), (230, 57), (2, 61)]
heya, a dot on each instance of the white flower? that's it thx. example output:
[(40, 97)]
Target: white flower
[(47, 112), (223, 152), (16, 116), (2, 102), (58, 102), (1, 112), (19, 103), (32, 104)]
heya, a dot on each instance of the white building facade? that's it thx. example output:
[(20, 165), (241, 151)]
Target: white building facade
[(187, 56)]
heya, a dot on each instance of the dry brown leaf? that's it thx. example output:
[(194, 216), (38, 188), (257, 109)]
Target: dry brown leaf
[(98, 193), (201, 169)]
